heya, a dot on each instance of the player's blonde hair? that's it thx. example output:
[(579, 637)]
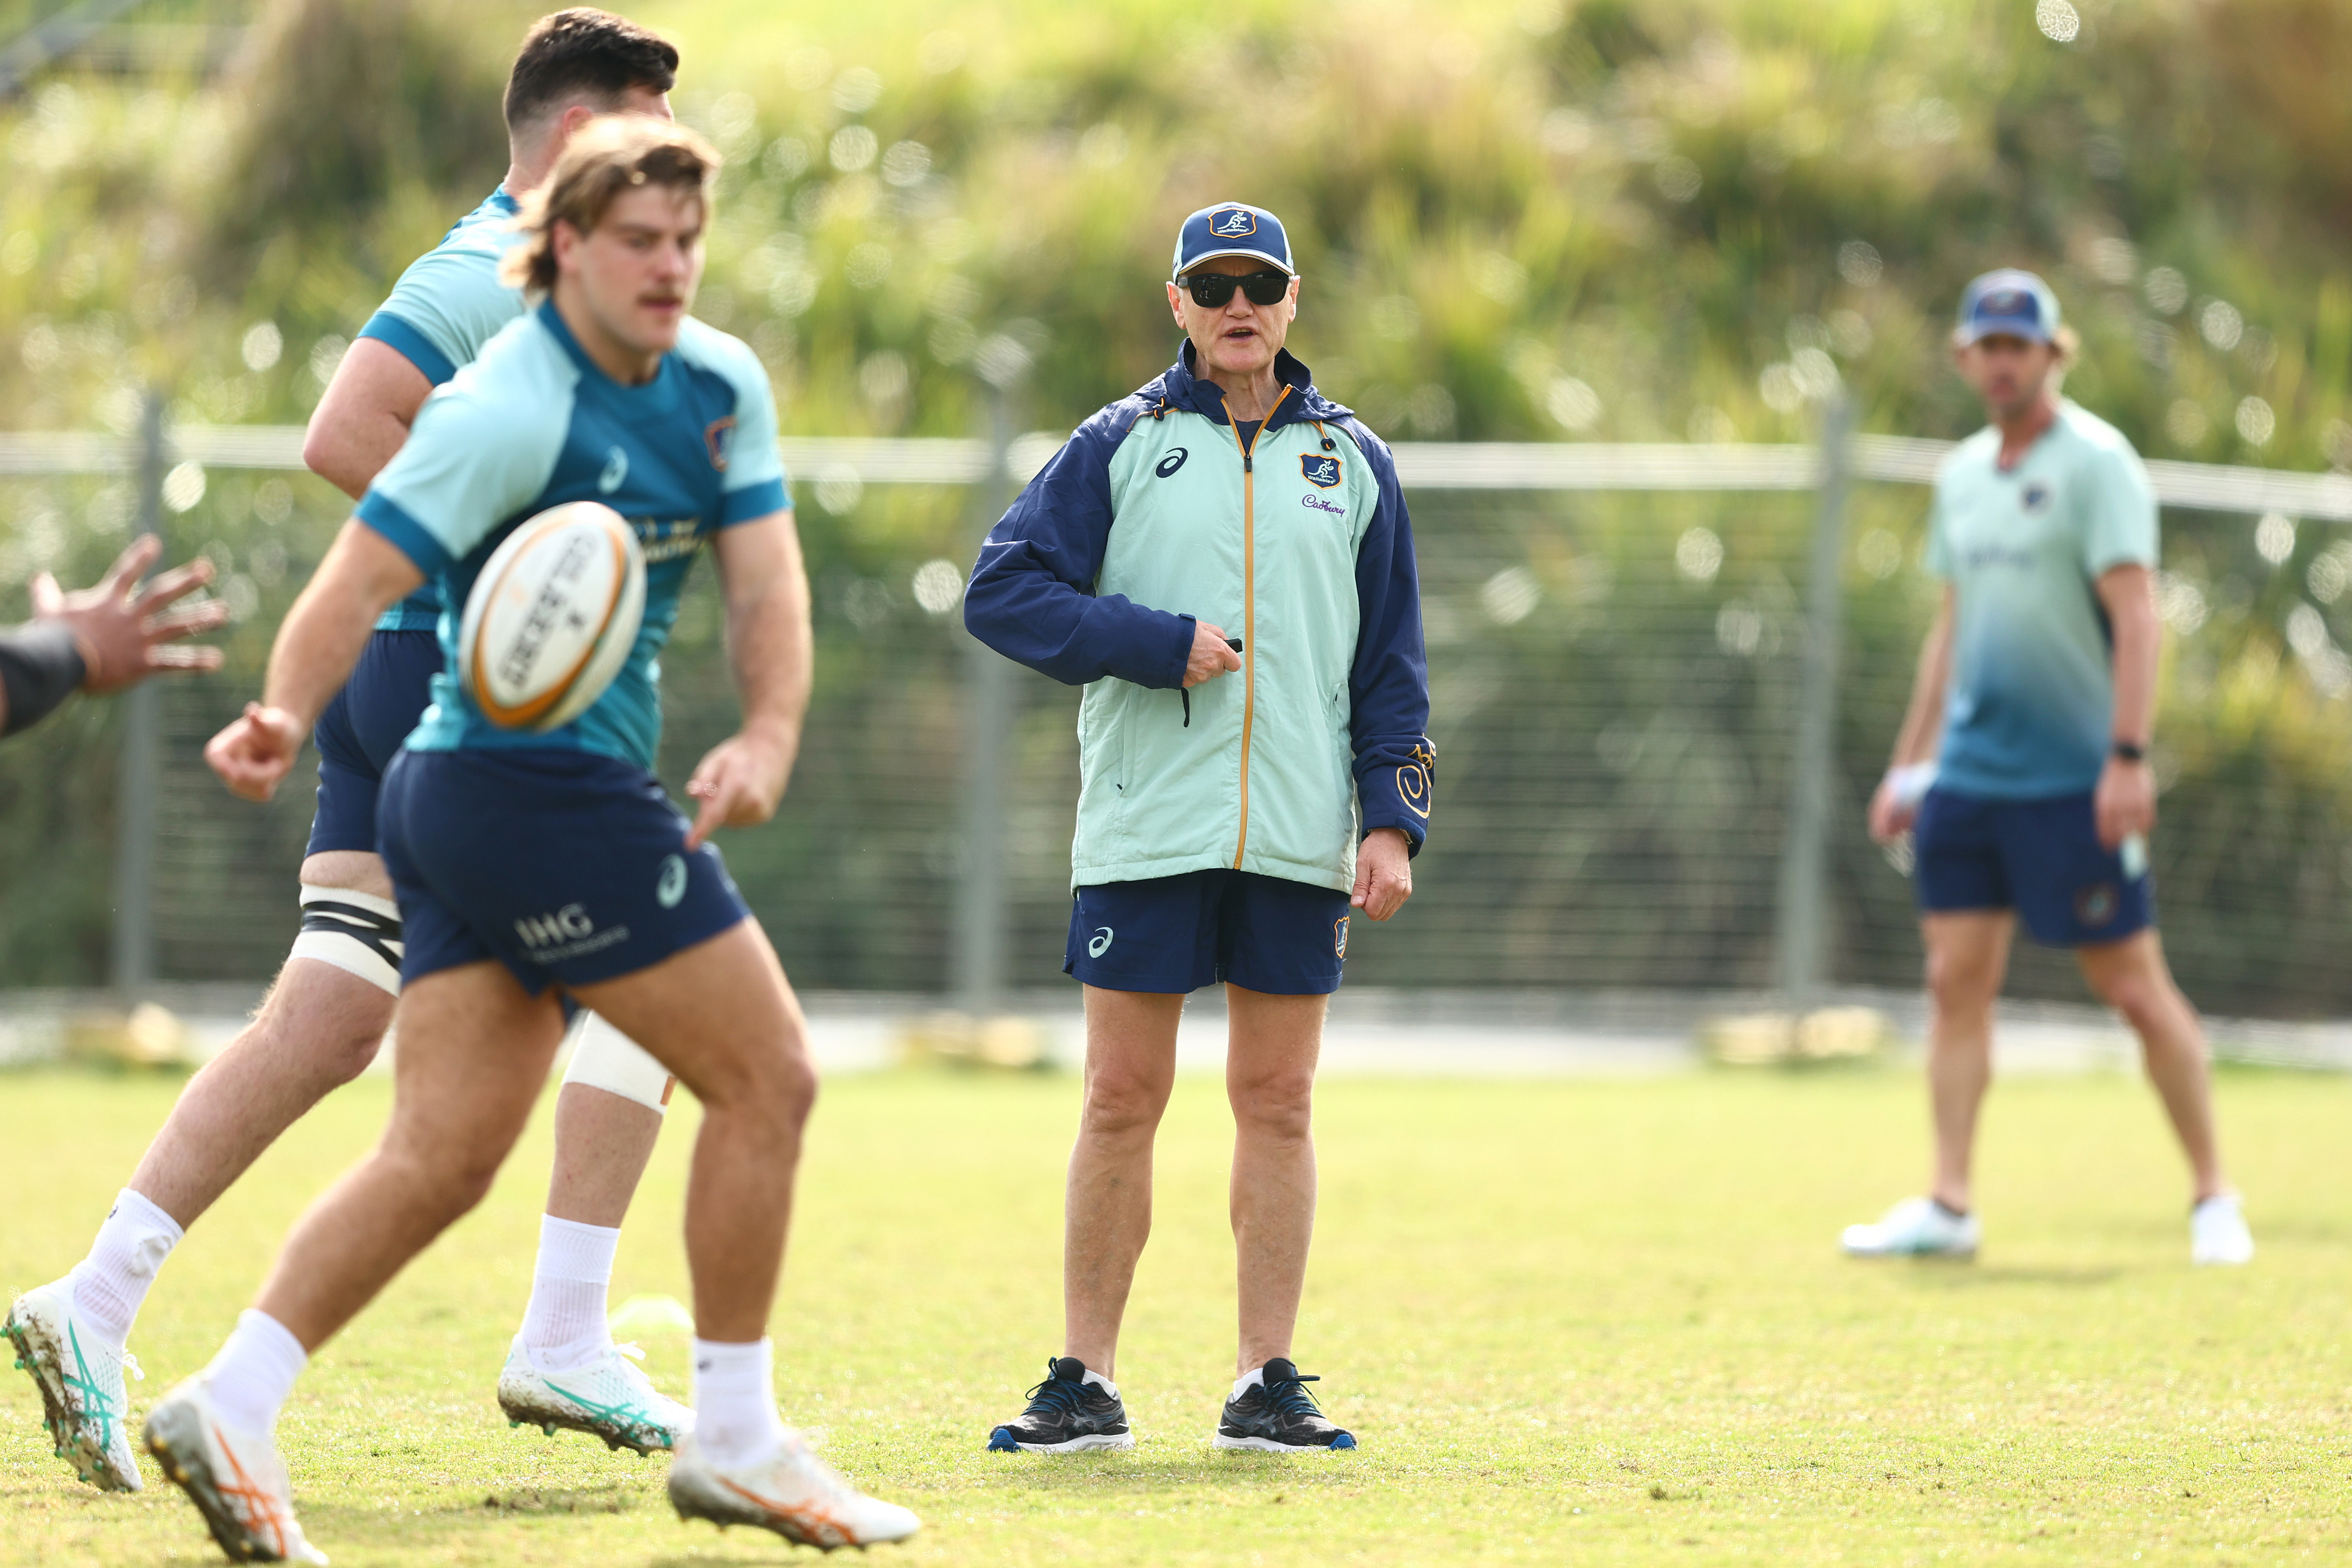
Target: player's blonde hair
[(610, 154)]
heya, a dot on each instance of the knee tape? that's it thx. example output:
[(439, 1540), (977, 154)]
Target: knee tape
[(356, 933), (603, 1057)]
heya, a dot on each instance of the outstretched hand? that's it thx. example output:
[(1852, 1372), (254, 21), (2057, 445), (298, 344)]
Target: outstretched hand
[(125, 633)]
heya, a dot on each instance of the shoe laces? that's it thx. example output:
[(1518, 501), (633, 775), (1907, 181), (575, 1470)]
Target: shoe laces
[(1056, 1393), (131, 1365), (1289, 1397)]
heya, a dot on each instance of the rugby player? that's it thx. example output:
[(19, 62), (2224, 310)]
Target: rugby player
[(2030, 718), (603, 391), (104, 638), (327, 1012), (1223, 561)]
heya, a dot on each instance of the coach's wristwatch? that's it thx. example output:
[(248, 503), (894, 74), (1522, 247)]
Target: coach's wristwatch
[(2129, 750)]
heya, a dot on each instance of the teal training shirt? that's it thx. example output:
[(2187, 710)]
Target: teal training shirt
[(437, 317), (2028, 712), (532, 424)]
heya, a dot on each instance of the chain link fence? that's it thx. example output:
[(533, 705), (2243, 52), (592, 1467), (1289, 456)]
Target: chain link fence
[(1619, 646)]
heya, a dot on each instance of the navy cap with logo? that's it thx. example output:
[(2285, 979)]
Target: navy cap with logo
[(1231, 228), (2009, 303)]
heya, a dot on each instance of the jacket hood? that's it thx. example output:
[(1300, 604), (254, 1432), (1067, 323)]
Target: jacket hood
[(1179, 387)]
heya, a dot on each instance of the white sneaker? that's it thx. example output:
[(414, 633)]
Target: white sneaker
[(2217, 1233), (83, 1401), (791, 1492), (1915, 1227), (235, 1479), (608, 1398)]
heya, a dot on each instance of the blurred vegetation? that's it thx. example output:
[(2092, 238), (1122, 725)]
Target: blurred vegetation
[(1519, 219)]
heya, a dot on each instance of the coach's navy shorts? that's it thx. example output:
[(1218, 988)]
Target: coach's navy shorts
[(1175, 934), (361, 732), (2041, 857), (567, 867)]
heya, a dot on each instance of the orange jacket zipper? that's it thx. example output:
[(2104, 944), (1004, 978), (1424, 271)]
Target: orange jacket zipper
[(1249, 606)]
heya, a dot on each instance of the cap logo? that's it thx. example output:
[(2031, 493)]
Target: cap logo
[(2036, 498), (1233, 223), (2009, 302)]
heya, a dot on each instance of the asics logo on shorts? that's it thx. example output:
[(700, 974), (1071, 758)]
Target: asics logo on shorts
[(1101, 943), (672, 886)]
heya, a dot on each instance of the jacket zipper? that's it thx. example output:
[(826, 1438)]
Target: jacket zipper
[(1249, 605)]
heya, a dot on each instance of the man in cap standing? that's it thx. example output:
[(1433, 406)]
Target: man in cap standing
[(2022, 770), (1224, 562)]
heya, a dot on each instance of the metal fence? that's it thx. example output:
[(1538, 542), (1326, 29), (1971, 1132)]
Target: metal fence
[(1665, 680)]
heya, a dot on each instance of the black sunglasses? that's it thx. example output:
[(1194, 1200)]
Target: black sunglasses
[(1210, 290)]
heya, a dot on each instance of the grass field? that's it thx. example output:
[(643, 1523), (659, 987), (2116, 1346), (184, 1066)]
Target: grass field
[(1571, 1322)]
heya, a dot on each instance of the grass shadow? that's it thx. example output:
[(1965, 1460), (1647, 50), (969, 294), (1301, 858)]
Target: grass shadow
[(1984, 1276), (1141, 1472)]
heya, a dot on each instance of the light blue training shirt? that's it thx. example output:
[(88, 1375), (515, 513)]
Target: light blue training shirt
[(534, 423), (2028, 712), (437, 317)]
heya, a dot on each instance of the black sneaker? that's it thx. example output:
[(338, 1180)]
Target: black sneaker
[(1279, 1415), (1067, 1414)]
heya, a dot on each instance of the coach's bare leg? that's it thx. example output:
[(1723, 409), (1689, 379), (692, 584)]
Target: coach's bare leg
[(1968, 956), (1270, 1057), (1106, 1208), (602, 1141), (317, 1030), (2132, 977), (473, 1055), (723, 1019)]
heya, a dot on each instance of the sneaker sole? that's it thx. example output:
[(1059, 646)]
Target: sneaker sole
[(552, 1418), (1095, 1443), (41, 1358), (792, 1530), (1269, 1446), (179, 1447)]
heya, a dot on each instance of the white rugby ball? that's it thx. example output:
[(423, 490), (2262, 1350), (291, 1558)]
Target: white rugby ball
[(553, 617)]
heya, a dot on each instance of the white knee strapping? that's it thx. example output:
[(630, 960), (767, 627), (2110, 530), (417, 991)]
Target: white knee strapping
[(603, 1057), (356, 933)]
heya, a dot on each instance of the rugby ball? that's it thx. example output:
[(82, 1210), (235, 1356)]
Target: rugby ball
[(553, 617)]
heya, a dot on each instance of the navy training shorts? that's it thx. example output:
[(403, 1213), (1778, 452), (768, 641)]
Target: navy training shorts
[(1175, 934), (361, 732), (2041, 857), (567, 867)]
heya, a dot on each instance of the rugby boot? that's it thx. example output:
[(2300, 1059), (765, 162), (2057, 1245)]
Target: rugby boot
[(608, 1398), (80, 1372), (1915, 1227), (235, 1479), (1279, 1417), (2217, 1233), (1067, 1414), (791, 1492)]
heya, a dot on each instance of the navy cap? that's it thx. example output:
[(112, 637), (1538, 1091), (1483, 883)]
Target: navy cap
[(2010, 302), (1231, 228)]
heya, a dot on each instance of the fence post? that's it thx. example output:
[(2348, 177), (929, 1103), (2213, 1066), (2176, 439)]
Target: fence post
[(133, 957), (979, 939), (1801, 938)]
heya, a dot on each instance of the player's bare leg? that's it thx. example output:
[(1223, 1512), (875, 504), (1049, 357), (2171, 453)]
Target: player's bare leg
[(1270, 1079), (1106, 1214), (2132, 977), (1968, 958), (721, 1015), (602, 1142)]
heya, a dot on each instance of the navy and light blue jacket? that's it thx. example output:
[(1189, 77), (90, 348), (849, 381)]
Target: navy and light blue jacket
[(1292, 537), (437, 317), (534, 423)]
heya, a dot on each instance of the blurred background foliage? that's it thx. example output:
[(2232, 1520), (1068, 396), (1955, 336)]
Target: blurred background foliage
[(1541, 220)]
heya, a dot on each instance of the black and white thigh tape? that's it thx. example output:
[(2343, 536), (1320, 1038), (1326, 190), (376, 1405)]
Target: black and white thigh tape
[(603, 1057), (357, 933)]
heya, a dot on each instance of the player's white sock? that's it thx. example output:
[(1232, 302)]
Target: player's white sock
[(254, 1371), (1099, 1381), (110, 1283), (565, 1328), (735, 1419), (1253, 1378)]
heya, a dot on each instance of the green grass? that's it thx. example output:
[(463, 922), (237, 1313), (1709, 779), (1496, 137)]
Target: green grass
[(1572, 1321)]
